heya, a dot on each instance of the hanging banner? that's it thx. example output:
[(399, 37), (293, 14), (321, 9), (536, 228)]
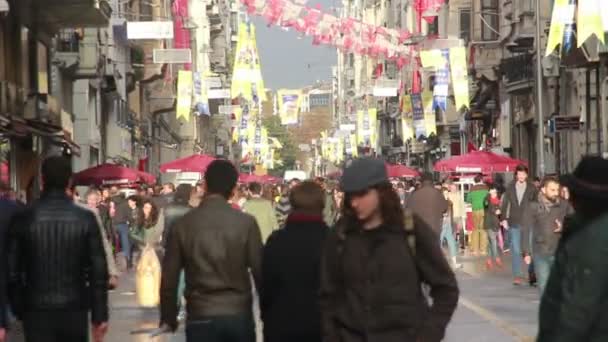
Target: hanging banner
[(460, 77), (407, 129), (200, 94), (558, 18), (432, 59), (442, 80), (184, 95), (247, 81), (289, 105), (589, 21), (418, 115), (366, 127), (354, 146), (430, 123)]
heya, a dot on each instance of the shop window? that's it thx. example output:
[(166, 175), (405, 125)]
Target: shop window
[(433, 28)]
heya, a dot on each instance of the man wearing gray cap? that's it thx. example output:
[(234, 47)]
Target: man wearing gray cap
[(374, 264)]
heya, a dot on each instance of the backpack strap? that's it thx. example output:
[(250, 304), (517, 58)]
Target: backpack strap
[(408, 227)]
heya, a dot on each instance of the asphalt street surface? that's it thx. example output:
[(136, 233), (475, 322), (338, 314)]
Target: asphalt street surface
[(491, 309)]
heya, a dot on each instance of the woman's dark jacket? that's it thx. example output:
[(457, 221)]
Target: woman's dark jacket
[(371, 285), (491, 220), (290, 274)]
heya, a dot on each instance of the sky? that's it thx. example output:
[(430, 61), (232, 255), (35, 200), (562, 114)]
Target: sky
[(289, 62)]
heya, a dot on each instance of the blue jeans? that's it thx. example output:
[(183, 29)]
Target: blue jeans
[(234, 328), (448, 235), (125, 242), (542, 266), (493, 244), (516, 258)]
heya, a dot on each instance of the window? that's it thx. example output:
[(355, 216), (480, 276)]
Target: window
[(489, 20), (465, 24), (433, 28), (145, 9), (319, 100)]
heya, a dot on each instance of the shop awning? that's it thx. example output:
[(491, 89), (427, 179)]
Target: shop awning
[(21, 128)]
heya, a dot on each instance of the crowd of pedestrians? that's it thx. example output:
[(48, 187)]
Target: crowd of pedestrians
[(362, 260)]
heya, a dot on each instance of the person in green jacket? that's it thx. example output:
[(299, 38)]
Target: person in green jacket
[(573, 306), (262, 210), (476, 197)]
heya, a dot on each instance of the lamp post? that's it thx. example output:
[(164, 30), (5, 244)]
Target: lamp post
[(539, 95)]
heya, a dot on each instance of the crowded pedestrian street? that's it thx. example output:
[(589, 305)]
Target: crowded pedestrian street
[(298, 171)]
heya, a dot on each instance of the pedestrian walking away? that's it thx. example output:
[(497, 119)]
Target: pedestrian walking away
[(374, 263), (57, 265), (476, 198), (290, 270), (218, 248)]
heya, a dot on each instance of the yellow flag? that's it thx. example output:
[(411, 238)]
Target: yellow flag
[(432, 59), (407, 129), (430, 123), (589, 20), (373, 124), (556, 30), (184, 95), (460, 77), (353, 146), (289, 102)]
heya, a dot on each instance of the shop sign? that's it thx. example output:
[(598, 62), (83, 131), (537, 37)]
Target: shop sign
[(172, 56), (150, 30)]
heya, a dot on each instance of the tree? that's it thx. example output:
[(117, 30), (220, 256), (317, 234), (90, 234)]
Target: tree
[(286, 155)]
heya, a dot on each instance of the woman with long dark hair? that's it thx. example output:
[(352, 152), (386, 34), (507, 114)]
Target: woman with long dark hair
[(374, 264)]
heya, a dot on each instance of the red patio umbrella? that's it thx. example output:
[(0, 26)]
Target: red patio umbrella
[(400, 171), (111, 174), (478, 162), (193, 163)]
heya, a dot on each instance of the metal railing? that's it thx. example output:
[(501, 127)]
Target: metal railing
[(68, 40)]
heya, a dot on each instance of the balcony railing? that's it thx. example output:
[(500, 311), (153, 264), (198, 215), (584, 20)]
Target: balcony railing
[(518, 68), (68, 40)]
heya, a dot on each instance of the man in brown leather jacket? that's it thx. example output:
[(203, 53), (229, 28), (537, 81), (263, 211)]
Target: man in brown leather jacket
[(218, 247)]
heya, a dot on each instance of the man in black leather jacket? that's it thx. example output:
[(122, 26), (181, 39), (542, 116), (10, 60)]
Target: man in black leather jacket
[(57, 267)]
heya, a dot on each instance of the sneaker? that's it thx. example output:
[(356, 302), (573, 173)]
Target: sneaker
[(517, 281), (181, 316), (499, 263)]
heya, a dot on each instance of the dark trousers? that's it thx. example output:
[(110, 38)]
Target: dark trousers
[(235, 328), (56, 326)]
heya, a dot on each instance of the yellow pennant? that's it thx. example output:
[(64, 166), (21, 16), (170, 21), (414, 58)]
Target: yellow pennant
[(589, 20), (460, 77), (558, 19), (184, 95)]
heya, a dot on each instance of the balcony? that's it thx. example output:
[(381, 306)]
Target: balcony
[(57, 14), (44, 108), (518, 73), (78, 53)]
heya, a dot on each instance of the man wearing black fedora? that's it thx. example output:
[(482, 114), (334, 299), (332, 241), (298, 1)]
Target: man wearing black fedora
[(573, 305)]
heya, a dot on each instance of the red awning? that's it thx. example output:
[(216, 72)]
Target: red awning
[(392, 170), (478, 162), (400, 171), (194, 163), (111, 174)]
